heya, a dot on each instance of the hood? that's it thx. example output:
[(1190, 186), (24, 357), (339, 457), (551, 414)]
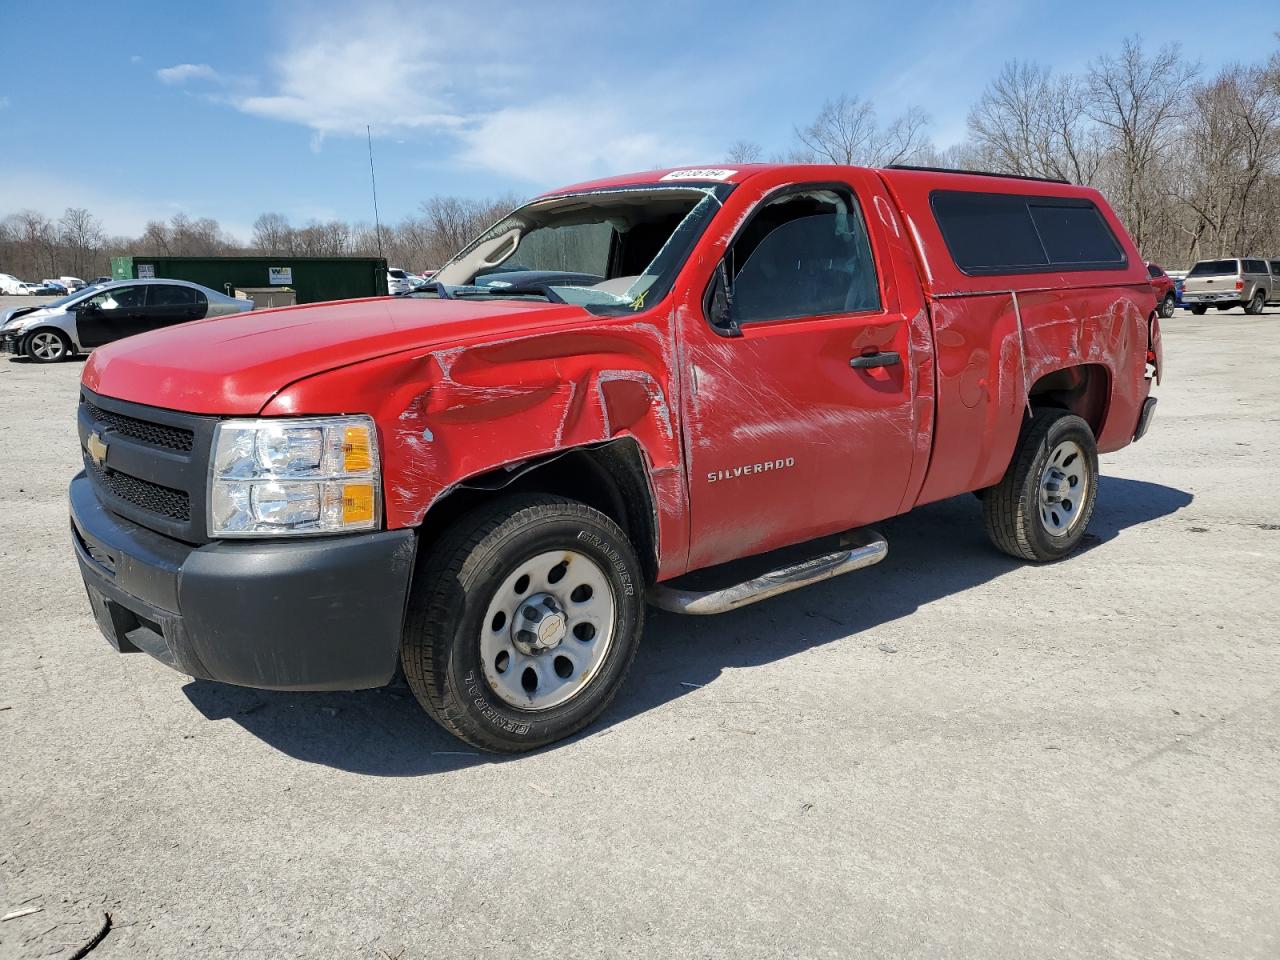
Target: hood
[(234, 365), (24, 312)]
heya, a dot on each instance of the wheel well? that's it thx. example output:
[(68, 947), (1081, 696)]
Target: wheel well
[(611, 477), (1083, 390)]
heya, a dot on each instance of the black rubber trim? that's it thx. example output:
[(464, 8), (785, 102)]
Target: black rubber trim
[(325, 613)]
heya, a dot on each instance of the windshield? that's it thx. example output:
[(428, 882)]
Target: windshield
[(1214, 268), (612, 250)]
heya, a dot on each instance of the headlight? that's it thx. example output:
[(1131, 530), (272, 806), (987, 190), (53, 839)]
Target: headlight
[(274, 478)]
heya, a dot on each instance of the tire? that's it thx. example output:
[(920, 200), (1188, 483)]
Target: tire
[(1056, 456), (467, 603), (1256, 303), (1166, 306), (47, 346), (1199, 311)]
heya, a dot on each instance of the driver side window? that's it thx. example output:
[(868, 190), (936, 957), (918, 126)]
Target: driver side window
[(117, 298), (804, 255)]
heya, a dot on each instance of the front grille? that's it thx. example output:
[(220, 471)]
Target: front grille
[(144, 431), (152, 497)]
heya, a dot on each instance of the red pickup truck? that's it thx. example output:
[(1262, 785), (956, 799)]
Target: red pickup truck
[(692, 387)]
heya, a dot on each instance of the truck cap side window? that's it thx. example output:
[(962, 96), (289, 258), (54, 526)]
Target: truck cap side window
[(803, 255), (997, 233)]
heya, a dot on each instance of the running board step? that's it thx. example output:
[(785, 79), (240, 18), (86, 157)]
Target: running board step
[(858, 549)]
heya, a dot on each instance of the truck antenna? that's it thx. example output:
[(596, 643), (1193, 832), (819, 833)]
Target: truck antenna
[(373, 180)]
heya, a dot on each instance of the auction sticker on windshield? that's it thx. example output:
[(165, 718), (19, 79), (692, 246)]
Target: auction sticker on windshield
[(701, 173)]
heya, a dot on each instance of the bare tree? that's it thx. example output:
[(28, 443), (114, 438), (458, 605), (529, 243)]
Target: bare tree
[(1138, 101), (271, 233), (744, 151), (846, 132), (1028, 122), (80, 234)]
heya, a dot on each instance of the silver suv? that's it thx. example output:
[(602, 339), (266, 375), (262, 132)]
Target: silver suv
[(1237, 282)]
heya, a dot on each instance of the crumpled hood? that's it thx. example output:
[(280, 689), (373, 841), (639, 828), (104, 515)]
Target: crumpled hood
[(27, 314), (234, 365)]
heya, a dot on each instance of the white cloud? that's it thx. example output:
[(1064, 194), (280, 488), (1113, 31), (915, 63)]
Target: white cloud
[(542, 113), (183, 72), (338, 85), (560, 140)]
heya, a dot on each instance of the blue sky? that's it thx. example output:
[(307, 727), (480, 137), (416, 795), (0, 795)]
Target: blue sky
[(228, 109)]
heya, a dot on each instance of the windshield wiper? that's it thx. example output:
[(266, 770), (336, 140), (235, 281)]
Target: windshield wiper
[(519, 289)]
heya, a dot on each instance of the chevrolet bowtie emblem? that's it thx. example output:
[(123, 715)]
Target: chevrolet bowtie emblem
[(96, 448)]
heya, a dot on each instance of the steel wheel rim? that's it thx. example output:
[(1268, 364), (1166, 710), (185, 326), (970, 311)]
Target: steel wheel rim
[(1064, 488), (535, 665), (46, 346)]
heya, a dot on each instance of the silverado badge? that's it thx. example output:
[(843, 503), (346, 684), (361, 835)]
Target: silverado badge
[(97, 449)]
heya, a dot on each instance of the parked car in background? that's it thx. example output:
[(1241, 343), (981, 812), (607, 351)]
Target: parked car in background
[(1166, 294), (99, 281), (1227, 283), (81, 321), (31, 289), (398, 282), (72, 283), (10, 285), (56, 285), (1274, 290), (1178, 277)]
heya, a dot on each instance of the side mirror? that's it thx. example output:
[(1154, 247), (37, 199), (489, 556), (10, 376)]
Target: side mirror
[(720, 309)]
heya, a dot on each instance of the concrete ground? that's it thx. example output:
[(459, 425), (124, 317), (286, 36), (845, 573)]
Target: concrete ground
[(950, 754)]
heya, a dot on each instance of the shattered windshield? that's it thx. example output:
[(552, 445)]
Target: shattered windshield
[(609, 250)]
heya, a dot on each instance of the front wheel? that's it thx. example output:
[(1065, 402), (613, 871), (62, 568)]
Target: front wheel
[(1040, 508), (48, 346), (523, 622), (1166, 306)]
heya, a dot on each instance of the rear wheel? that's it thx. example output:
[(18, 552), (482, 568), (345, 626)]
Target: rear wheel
[(1167, 305), (1256, 303), (1199, 311), (523, 622), (48, 346), (1040, 508)]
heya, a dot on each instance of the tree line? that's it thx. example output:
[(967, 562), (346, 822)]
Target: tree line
[(1191, 164), (33, 246)]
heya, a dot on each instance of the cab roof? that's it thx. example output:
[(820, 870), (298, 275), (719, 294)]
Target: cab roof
[(741, 172)]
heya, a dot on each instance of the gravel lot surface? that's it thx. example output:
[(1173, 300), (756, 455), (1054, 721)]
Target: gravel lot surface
[(949, 754)]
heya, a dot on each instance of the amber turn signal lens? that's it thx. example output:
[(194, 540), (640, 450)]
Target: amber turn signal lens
[(356, 455), (357, 503)]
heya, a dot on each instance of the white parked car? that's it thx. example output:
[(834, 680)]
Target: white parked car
[(73, 283), (10, 285), (398, 282)]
